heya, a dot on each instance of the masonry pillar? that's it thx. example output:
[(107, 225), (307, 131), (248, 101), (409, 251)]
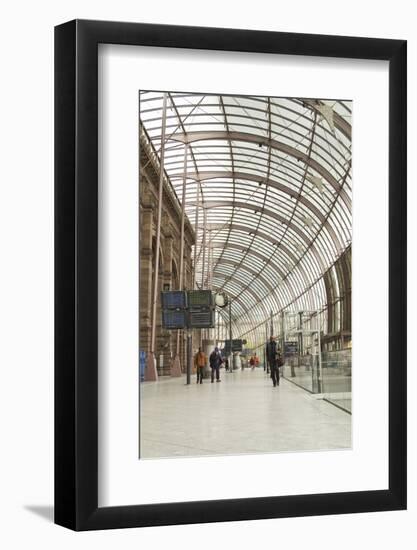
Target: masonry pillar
[(145, 289)]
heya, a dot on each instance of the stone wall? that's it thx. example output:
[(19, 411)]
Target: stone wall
[(169, 256)]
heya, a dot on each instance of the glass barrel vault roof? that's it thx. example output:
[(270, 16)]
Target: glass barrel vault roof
[(272, 179)]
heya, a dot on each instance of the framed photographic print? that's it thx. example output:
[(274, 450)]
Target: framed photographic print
[(230, 252)]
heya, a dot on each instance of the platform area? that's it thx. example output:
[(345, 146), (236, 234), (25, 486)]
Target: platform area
[(243, 414)]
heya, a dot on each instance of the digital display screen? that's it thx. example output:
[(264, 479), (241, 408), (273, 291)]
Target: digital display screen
[(290, 348), (174, 299), (201, 319), (172, 319), (237, 345), (200, 298)]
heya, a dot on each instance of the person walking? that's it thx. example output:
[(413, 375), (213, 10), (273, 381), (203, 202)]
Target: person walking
[(226, 364), (271, 356), (200, 361), (280, 363), (215, 361)]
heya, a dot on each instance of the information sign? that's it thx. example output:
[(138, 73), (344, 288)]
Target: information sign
[(174, 299), (174, 319)]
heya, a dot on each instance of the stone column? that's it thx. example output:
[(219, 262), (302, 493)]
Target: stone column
[(174, 368), (161, 335), (145, 287)]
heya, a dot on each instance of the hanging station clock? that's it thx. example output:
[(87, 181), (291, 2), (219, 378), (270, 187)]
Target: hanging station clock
[(221, 299)]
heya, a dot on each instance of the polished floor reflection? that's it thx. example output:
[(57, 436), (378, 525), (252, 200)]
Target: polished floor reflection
[(243, 414)]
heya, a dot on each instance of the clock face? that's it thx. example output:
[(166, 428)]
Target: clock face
[(221, 300)]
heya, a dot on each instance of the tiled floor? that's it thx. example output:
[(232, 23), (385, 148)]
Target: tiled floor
[(243, 413)]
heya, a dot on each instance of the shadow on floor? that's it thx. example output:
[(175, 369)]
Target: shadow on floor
[(45, 512)]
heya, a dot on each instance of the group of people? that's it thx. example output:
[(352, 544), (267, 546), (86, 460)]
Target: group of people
[(273, 357), (215, 360)]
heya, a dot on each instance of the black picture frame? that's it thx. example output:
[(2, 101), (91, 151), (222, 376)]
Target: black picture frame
[(76, 272)]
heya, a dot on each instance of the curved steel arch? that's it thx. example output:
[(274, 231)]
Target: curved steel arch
[(203, 176), (266, 258), (339, 121), (191, 137), (324, 198), (321, 234), (273, 149), (237, 300), (257, 232), (321, 151), (288, 252), (297, 128), (235, 246), (273, 215), (251, 272), (238, 146), (255, 253), (302, 292), (241, 218), (297, 246), (342, 125), (237, 282)]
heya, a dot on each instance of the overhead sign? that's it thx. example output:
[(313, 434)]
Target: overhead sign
[(174, 299), (187, 309), (201, 319), (290, 348), (237, 345), (174, 319), (200, 298)]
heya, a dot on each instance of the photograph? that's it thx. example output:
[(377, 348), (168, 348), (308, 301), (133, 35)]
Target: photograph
[(209, 256), (245, 270)]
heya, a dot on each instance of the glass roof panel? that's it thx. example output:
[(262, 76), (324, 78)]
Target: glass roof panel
[(273, 177)]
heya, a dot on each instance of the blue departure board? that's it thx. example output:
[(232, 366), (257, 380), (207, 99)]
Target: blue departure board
[(174, 299), (174, 319)]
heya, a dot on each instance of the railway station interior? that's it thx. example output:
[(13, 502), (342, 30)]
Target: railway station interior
[(245, 239)]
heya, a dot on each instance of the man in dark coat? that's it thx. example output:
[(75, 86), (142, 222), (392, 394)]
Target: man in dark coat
[(215, 361), (271, 357)]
